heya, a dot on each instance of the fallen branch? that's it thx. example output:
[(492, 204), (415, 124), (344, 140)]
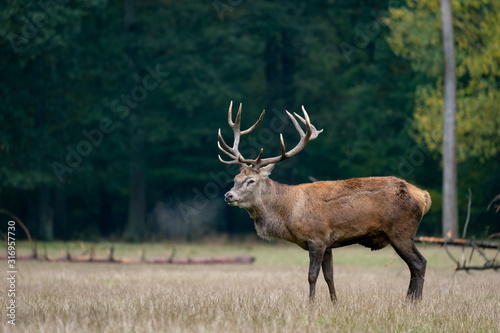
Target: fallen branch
[(476, 246), (478, 268), (91, 258), (458, 242), (18, 220), (111, 259), (205, 260)]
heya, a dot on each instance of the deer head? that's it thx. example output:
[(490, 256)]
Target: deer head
[(248, 186), (250, 182)]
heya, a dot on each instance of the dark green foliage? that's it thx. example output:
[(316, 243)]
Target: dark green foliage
[(89, 101)]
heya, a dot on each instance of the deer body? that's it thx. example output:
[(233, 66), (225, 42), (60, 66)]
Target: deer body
[(373, 212), (329, 212)]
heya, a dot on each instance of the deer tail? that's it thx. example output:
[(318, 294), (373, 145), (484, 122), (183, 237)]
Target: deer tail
[(423, 199), (427, 202)]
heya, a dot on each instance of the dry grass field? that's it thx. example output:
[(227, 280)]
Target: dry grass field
[(268, 296)]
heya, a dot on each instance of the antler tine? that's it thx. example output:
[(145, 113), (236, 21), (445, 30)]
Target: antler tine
[(234, 157), (252, 162), (315, 132), (254, 125), (237, 122), (236, 129), (230, 115), (229, 162), (295, 123), (221, 139), (306, 115), (306, 120), (232, 152), (282, 143)]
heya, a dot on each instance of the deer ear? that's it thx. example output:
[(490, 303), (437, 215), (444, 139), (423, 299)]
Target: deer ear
[(266, 171)]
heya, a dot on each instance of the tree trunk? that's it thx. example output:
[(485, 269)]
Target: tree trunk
[(45, 214), (450, 213), (137, 202), (106, 220), (59, 203), (61, 212), (137, 199)]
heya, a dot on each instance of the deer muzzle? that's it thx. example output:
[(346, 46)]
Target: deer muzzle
[(229, 198)]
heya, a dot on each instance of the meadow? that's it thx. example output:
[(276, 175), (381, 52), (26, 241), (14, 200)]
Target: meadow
[(267, 296)]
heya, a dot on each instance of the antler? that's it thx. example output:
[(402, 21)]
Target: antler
[(310, 134), (232, 152)]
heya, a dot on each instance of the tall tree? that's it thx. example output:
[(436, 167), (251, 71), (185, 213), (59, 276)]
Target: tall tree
[(36, 65), (137, 195), (450, 210), (417, 35)]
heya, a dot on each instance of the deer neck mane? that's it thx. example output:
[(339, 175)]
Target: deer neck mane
[(270, 211)]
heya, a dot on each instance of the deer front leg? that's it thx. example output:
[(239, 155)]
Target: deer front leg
[(315, 258)]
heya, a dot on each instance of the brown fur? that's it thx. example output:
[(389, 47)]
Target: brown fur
[(373, 212)]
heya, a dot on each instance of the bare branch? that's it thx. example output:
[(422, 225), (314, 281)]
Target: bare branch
[(468, 213), (496, 207)]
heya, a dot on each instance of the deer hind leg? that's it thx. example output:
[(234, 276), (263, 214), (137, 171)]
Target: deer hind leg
[(416, 263), (316, 254), (327, 266)]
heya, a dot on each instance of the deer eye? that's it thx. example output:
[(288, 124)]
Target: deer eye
[(250, 182)]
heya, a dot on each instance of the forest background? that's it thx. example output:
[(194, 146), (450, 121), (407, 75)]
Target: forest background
[(110, 110)]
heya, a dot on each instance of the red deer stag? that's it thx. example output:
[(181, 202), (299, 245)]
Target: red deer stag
[(320, 216)]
